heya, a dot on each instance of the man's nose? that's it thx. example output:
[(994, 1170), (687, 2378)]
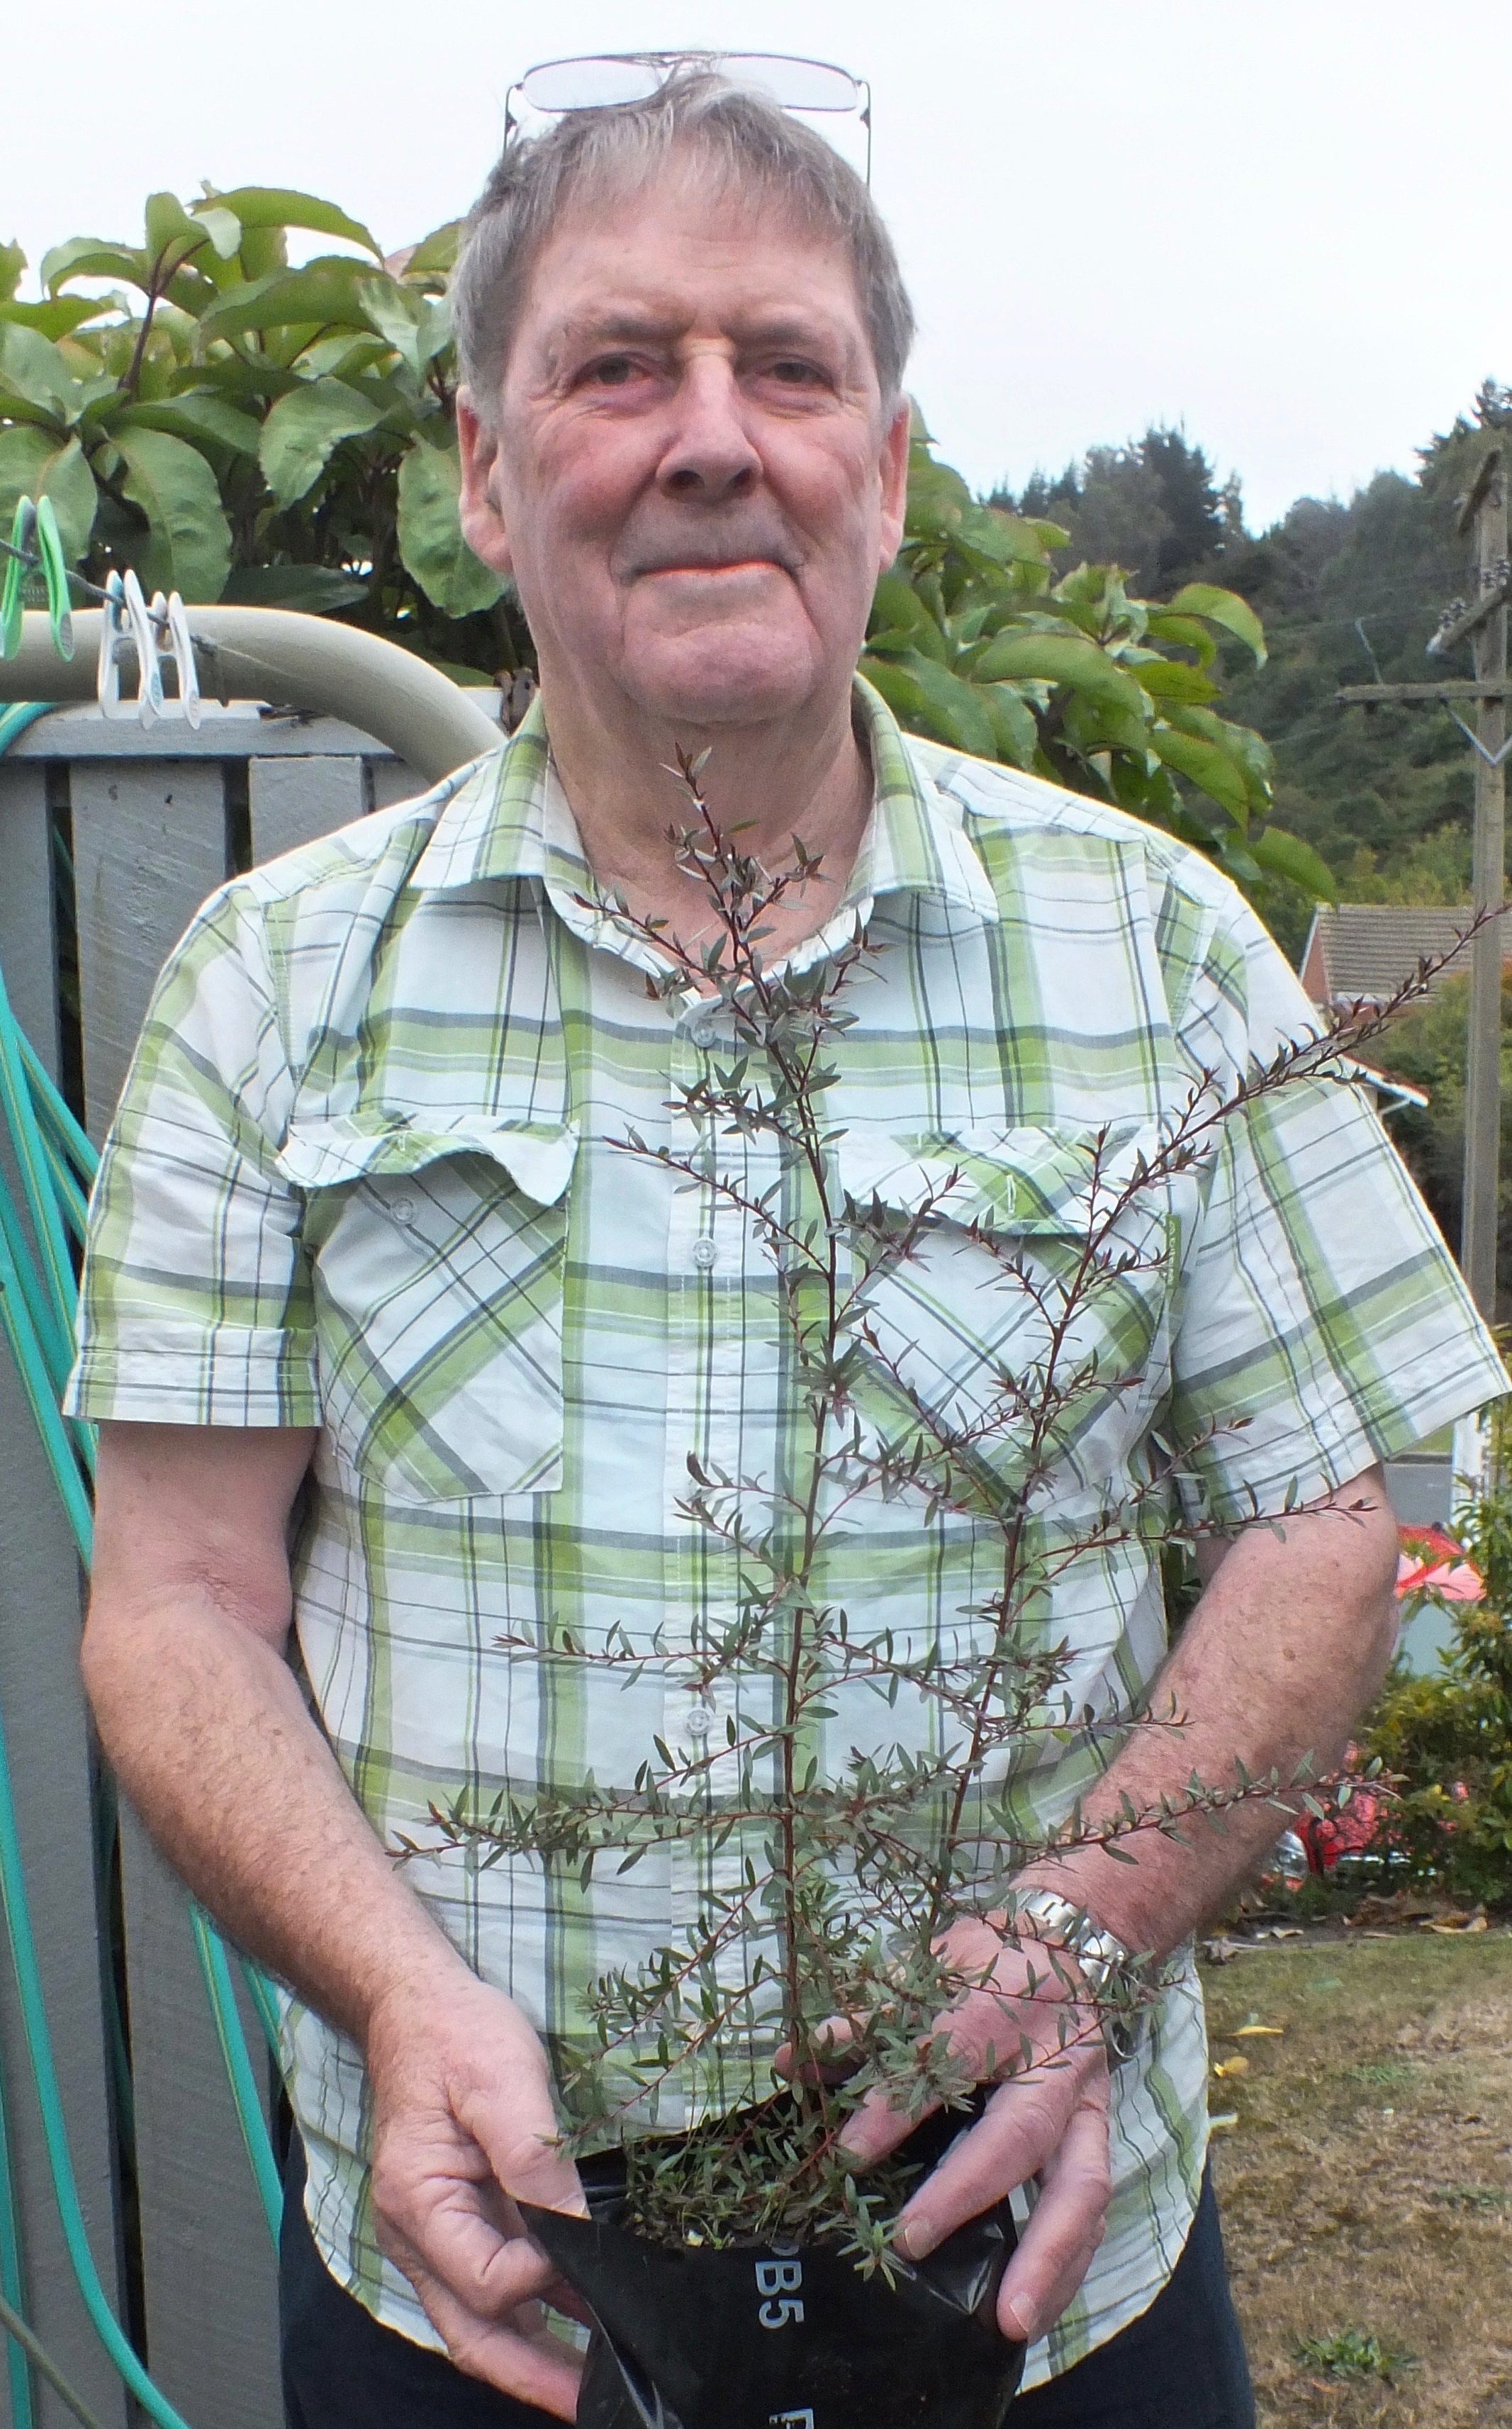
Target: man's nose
[(711, 455)]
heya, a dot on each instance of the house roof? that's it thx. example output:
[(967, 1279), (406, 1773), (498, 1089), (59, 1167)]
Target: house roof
[(1366, 950)]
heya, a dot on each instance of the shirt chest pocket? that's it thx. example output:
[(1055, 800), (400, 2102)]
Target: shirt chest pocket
[(1026, 1327), (436, 1257)]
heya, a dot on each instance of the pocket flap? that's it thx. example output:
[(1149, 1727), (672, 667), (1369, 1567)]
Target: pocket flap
[(1032, 1179), (345, 1147)]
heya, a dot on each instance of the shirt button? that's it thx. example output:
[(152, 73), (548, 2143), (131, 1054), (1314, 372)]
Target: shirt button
[(704, 1026), (700, 1720), (403, 1207), (704, 1255)]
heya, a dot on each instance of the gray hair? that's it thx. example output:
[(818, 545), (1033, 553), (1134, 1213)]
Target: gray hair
[(739, 134)]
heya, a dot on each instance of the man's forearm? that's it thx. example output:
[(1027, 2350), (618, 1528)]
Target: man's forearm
[(1288, 1645), (206, 1729)]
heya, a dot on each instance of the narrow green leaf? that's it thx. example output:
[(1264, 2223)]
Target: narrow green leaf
[(189, 544), (1225, 608), (12, 262), (429, 536), (305, 427), (36, 463), (1287, 855)]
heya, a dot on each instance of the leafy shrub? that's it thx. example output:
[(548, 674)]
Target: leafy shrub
[(1447, 1737), (236, 428)]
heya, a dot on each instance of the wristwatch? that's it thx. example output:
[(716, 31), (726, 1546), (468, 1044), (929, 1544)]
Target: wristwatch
[(1114, 1976)]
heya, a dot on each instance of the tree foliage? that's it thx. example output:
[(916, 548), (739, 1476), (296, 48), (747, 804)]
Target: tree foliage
[(973, 639), (236, 427), (1447, 1737)]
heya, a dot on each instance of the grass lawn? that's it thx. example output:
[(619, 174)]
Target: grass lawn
[(1366, 2182)]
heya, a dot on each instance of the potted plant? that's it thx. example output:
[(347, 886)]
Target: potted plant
[(739, 2272)]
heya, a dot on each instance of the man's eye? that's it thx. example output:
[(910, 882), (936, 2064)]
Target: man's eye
[(612, 371), (797, 375)]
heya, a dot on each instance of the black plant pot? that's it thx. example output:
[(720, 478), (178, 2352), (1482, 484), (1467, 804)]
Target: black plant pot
[(687, 2337)]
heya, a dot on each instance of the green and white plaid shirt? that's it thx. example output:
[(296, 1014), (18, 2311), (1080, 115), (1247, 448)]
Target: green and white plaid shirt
[(363, 1178)]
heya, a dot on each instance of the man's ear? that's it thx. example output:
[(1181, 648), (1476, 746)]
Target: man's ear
[(479, 510), (895, 470)]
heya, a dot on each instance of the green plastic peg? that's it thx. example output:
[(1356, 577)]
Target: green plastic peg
[(36, 545)]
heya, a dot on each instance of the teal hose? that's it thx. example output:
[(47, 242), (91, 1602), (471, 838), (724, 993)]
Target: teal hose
[(56, 1163), (22, 2413), (54, 2131), (15, 719), (219, 1989)]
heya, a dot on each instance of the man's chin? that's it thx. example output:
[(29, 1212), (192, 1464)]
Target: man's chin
[(717, 680)]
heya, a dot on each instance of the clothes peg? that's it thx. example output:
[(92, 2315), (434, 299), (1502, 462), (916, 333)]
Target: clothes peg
[(127, 617), (36, 547), (182, 647)]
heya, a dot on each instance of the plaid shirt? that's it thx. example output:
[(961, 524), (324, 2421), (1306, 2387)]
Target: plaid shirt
[(363, 1178)]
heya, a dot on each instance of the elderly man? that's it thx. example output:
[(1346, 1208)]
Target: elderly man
[(391, 1343)]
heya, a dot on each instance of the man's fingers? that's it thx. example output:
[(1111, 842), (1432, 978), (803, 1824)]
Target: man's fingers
[(521, 2141), (519, 2354), (1066, 2227), (1013, 2141)]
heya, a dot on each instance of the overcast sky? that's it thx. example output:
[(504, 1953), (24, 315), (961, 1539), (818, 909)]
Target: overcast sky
[(1282, 222)]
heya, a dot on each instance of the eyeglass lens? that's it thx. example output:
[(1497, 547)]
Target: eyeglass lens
[(603, 83)]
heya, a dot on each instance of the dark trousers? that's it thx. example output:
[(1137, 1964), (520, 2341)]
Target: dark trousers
[(1181, 2366)]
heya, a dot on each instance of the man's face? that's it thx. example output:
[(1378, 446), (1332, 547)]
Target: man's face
[(689, 475)]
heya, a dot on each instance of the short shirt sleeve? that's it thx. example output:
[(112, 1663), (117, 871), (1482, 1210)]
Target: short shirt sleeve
[(1322, 1324), (195, 1305)]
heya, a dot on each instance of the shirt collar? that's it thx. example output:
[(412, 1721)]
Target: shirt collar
[(509, 818)]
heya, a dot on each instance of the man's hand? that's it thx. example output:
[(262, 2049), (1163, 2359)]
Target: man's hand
[(465, 2129), (1048, 2119)]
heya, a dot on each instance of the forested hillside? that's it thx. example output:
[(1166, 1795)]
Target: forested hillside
[(1384, 796)]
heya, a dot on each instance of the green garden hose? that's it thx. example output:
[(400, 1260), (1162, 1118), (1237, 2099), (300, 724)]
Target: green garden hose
[(56, 1163)]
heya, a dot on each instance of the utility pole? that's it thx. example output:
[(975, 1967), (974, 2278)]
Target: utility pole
[(1484, 511)]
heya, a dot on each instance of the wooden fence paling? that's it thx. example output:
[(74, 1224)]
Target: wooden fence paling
[(151, 835), (47, 1741)]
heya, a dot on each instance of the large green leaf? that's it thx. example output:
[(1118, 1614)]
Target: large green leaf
[(189, 544), (195, 417), (313, 589), (1285, 855), (303, 427), (36, 462), (1207, 765), (63, 314), (430, 536), (175, 232), (1013, 723), (1225, 608), (438, 251), (268, 207), (1167, 679), (32, 369), (92, 256), (1061, 658), (324, 291), (416, 327)]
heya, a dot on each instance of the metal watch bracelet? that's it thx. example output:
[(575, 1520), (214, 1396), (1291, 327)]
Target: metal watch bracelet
[(1100, 1957)]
